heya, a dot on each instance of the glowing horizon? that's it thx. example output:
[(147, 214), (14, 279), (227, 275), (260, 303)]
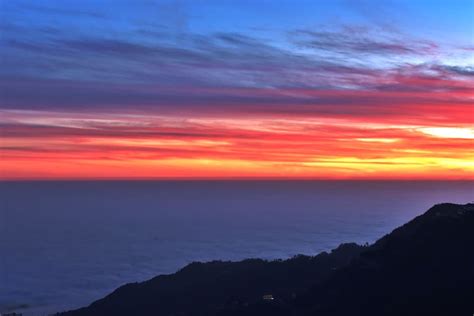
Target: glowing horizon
[(360, 99)]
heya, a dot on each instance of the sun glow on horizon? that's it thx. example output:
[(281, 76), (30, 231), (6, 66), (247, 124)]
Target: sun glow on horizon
[(449, 132), (111, 146), (236, 90)]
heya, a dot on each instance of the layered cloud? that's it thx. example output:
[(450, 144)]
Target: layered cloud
[(149, 101), (163, 146)]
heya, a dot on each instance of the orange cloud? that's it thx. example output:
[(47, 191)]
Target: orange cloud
[(42, 145)]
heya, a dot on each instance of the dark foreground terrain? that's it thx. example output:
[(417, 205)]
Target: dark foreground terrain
[(425, 267)]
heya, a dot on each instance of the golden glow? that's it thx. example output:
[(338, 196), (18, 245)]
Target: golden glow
[(53, 145), (449, 132)]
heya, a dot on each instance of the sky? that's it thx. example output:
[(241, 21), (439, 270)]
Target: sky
[(344, 89)]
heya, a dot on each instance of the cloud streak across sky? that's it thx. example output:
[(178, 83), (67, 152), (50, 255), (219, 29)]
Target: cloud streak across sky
[(173, 89)]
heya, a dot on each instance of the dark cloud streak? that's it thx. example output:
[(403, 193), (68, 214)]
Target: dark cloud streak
[(52, 69)]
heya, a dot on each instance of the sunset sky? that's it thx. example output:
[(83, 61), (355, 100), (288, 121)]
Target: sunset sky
[(237, 89)]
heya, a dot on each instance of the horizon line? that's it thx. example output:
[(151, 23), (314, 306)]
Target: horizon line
[(230, 179)]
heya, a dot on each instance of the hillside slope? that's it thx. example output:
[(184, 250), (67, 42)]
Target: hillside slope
[(425, 267)]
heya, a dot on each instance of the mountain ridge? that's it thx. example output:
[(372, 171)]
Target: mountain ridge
[(424, 267)]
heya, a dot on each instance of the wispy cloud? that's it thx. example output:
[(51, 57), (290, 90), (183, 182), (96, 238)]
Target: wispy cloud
[(301, 101), (356, 43)]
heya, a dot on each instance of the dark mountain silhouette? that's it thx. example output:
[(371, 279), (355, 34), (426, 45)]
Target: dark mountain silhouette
[(425, 267)]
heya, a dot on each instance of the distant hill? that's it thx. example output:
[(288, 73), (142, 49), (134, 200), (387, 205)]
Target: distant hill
[(425, 267)]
